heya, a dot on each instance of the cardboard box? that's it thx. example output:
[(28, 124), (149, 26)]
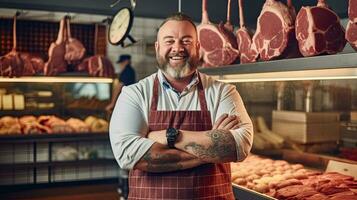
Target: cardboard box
[(307, 128)]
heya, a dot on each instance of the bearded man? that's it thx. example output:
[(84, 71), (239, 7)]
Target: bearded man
[(178, 129)]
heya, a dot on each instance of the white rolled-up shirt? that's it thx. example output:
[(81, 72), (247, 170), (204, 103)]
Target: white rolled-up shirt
[(129, 121)]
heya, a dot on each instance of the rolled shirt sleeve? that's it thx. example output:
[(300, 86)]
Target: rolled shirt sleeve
[(232, 104), (127, 128)]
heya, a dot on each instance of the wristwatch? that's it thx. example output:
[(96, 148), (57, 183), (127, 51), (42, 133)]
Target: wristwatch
[(171, 136)]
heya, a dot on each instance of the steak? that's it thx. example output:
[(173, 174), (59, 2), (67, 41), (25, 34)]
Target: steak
[(56, 62), (74, 48), (247, 49), (275, 30), (319, 31), (351, 30), (293, 190), (217, 45)]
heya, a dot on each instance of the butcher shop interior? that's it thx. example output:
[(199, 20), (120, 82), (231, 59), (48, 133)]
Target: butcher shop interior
[(293, 62)]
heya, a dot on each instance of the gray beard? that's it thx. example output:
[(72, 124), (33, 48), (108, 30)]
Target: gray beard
[(177, 72)]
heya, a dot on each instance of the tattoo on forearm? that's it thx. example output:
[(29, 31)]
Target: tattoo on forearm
[(222, 147), (162, 163)]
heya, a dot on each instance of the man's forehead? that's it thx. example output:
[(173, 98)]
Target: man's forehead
[(176, 27)]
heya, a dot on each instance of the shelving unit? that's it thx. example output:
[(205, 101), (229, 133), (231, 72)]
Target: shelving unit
[(36, 144), (340, 66)]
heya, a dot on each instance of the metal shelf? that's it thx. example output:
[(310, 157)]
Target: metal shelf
[(339, 66), (58, 163), (245, 193), (66, 77), (56, 137)]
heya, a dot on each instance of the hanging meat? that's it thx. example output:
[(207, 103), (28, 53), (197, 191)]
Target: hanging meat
[(228, 29), (351, 30), (97, 65), (275, 30), (246, 48), (11, 64), (32, 64), (319, 31), (217, 46), (56, 62), (74, 48), (19, 63)]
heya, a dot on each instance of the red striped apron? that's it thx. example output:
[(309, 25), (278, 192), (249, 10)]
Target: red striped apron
[(208, 181)]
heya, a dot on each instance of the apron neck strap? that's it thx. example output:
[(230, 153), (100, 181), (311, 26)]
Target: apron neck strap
[(201, 94)]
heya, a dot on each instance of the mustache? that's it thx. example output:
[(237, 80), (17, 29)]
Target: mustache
[(183, 54)]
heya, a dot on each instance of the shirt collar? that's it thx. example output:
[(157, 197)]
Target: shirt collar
[(166, 85)]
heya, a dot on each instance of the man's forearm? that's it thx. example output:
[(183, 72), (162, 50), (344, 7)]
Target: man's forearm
[(214, 146), (160, 158), (116, 91)]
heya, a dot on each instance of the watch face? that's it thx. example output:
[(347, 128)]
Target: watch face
[(172, 132), (120, 26)]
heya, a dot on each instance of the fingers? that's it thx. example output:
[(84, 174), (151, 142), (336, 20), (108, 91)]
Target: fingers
[(226, 122), (219, 121), (231, 125)]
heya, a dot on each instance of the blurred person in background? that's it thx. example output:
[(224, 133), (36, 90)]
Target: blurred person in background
[(126, 77)]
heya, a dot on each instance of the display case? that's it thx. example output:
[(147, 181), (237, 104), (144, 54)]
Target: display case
[(303, 112), (68, 141)]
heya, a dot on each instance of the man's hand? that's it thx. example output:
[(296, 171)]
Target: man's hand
[(226, 122)]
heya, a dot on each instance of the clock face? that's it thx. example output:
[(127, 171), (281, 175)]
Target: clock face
[(120, 26)]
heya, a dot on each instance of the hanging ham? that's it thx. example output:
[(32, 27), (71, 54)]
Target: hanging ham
[(319, 31), (351, 30), (217, 46), (15, 63), (246, 48), (75, 50), (56, 62), (275, 30)]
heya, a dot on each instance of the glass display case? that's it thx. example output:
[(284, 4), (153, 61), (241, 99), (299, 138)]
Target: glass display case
[(54, 130), (303, 112)]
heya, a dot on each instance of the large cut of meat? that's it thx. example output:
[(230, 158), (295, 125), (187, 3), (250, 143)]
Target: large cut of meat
[(11, 64), (55, 124), (30, 125), (275, 30), (78, 125), (56, 62), (351, 30), (97, 65), (319, 31), (228, 28), (247, 49), (74, 48), (19, 63), (217, 46), (32, 64)]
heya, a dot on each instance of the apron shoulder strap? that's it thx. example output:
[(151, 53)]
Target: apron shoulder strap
[(155, 95), (201, 94)]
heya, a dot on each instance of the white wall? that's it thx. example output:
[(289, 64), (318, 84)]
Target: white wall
[(143, 58)]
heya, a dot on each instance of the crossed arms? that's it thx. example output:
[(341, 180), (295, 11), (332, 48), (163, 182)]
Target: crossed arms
[(192, 148)]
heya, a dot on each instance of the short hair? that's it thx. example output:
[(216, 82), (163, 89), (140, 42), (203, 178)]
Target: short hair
[(179, 16)]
